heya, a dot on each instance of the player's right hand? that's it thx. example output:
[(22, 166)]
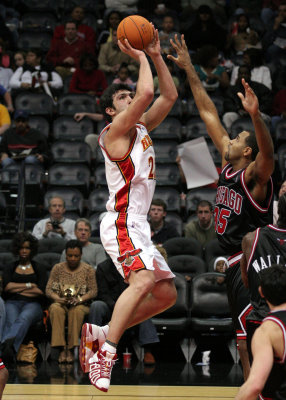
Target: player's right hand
[(128, 49)]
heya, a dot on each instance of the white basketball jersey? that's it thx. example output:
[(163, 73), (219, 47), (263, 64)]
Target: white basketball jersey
[(131, 179)]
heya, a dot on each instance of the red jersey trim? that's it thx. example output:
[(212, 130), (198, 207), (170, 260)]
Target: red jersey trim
[(231, 175), (127, 170), (256, 205), (232, 260), (275, 228), (254, 244)]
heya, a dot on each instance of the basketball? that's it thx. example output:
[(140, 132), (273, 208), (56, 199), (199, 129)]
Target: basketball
[(137, 30)]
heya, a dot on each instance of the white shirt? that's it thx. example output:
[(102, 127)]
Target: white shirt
[(67, 225)]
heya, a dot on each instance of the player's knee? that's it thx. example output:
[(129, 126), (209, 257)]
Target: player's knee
[(144, 285)]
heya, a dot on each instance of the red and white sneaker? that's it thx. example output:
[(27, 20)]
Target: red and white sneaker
[(92, 338), (100, 369)]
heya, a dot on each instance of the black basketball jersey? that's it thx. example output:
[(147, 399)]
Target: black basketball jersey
[(269, 247), (275, 387), (236, 212)]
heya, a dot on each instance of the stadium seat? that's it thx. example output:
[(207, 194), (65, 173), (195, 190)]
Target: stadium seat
[(165, 150), (41, 124), (241, 124), (280, 132), (181, 246), (167, 175), (5, 245), (51, 245), (75, 176), (48, 260), (176, 221), (212, 251), (71, 152), (194, 196), (34, 40), (100, 177), (170, 196), (35, 103), (69, 104), (43, 5), (186, 264), (195, 128), (97, 200), (39, 20), (66, 128), (170, 128), (281, 153)]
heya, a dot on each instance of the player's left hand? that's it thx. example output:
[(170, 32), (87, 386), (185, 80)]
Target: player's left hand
[(249, 100), (154, 48)]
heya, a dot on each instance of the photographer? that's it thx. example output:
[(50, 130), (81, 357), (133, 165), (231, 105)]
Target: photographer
[(56, 225)]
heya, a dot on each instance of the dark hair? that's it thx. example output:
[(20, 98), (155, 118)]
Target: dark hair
[(74, 244), (282, 211), (71, 21), (204, 203), (106, 100), (273, 284), (38, 52), (88, 57), (22, 237), (245, 67), (255, 56), (159, 202), (205, 54), (242, 15), (250, 141)]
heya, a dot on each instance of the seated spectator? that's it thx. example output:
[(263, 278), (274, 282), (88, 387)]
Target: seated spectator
[(71, 287), (213, 76), (279, 108), (233, 108), (111, 57), (92, 253), (282, 190), (56, 225), (126, 7), (110, 286), (269, 12), (204, 30), (5, 120), (274, 40), (260, 73), (84, 31), (87, 78), (19, 59), (242, 36), (123, 76), (202, 228), (7, 98), (5, 76), (220, 264), (35, 73), (111, 22), (23, 143), (160, 229), (166, 33), (24, 283), (65, 53), (176, 80)]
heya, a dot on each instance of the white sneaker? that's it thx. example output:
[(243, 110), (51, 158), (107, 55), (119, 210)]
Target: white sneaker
[(100, 369), (92, 338)]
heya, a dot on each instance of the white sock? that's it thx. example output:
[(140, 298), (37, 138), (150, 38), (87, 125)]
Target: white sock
[(109, 348), (105, 329)]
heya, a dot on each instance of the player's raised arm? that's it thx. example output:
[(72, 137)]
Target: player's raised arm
[(205, 105), (127, 119), (168, 92), (263, 167)]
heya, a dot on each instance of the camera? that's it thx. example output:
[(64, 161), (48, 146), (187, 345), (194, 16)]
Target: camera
[(55, 224)]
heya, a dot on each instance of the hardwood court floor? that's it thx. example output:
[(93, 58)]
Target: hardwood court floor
[(117, 392)]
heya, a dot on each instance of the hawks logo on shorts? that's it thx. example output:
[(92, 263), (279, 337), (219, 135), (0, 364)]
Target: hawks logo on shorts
[(127, 258)]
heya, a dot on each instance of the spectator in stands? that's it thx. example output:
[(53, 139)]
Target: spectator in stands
[(126, 7), (260, 73), (166, 33), (35, 73), (24, 283), (242, 36), (5, 76), (112, 19), (175, 77), (202, 229), (282, 190), (110, 286), (123, 76), (7, 98), (84, 31), (220, 264), (87, 78), (56, 225), (5, 120), (111, 57), (23, 143), (71, 286), (213, 76), (160, 229), (279, 108), (232, 104), (65, 53), (19, 59), (269, 11), (204, 30), (274, 39), (92, 253)]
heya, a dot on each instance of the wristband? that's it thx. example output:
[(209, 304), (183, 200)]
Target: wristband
[(28, 285)]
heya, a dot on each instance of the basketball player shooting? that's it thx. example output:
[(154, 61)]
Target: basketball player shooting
[(124, 231), (244, 194)]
